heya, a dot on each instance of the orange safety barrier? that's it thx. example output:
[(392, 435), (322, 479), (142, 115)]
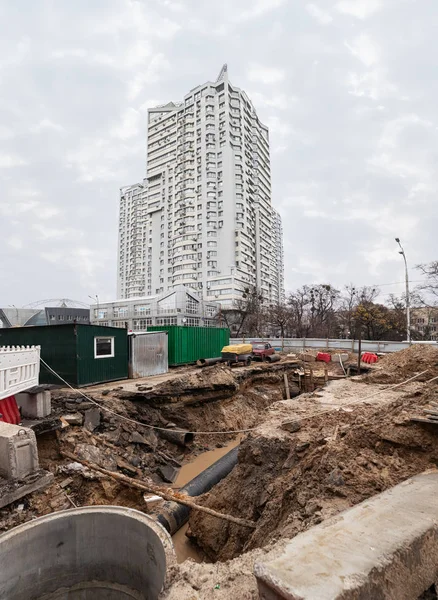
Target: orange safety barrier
[(369, 357), (324, 356)]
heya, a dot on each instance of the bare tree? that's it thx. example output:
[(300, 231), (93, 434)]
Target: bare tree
[(350, 298), (246, 315), (429, 289), (279, 316)]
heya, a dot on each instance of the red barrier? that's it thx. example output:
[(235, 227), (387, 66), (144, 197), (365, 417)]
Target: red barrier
[(324, 356), (9, 412), (369, 357)]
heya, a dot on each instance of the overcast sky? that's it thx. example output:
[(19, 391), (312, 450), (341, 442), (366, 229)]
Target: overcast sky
[(347, 87)]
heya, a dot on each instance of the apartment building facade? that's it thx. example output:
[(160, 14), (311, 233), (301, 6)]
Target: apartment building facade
[(203, 215)]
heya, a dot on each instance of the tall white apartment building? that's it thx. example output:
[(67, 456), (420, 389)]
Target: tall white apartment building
[(203, 216), (131, 274)]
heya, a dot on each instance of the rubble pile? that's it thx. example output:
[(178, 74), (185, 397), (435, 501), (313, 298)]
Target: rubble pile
[(93, 434)]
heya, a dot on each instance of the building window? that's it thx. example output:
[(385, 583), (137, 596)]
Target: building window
[(191, 322), (103, 347), (166, 321), (141, 324), (60, 317), (192, 306)]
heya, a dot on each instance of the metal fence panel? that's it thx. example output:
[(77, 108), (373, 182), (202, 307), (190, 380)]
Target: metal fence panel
[(148, 354), (294, 344)]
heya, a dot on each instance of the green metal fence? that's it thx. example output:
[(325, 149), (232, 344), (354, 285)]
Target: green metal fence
[(188, 344)]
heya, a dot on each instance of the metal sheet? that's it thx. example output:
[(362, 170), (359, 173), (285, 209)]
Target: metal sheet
[(148, 354)]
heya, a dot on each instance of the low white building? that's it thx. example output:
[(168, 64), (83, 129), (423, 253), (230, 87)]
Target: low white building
[(180, 306)]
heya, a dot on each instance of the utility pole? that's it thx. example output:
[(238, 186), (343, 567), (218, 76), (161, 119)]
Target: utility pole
[(408, 310)]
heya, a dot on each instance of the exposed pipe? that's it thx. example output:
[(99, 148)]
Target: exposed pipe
[(180, 438), (273, 358), (172, 515), (206, 362)]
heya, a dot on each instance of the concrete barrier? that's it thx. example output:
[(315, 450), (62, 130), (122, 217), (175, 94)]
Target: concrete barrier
[(18, 451), (92, 553), (385, 548)]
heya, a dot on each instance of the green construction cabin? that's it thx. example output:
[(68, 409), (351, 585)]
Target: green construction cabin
[(81, 354)]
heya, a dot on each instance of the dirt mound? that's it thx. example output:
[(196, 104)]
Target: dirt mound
[(401, 365), (290, 482)]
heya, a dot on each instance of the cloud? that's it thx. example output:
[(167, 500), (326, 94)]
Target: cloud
[(6, 133), (278, 127), (13, 56), (46, 124), (365, 49), (361, 9), (259, 8), (353, 138), (15, 242), (134, 16), (157, 68), (372, 84), (47, 232), (129, 125), (9, 161), (266, 75), (319, 14), (18, 208)]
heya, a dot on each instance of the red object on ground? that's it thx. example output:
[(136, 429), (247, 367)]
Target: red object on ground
[(369, 357), (324, 356), (9, 412)]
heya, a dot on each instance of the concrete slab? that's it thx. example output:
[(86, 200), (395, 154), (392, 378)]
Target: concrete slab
[(384, 548), (10, 491), (18, 451)]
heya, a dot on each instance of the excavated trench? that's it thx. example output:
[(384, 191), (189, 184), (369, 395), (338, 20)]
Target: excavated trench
[(141, 453), (289, 481)]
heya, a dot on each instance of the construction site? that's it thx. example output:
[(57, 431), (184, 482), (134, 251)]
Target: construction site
[(298, 478)]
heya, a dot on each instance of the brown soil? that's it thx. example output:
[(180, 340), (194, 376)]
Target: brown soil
[(111, 443), (287, 482), (399, 366)]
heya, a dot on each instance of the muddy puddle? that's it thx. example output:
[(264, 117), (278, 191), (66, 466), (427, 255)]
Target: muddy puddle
[(183, 546)]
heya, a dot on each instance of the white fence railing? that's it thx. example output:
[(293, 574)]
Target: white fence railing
[(19, 369), (294, 344)]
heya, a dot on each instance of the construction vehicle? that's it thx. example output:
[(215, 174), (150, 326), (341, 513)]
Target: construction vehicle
[(237, 353)]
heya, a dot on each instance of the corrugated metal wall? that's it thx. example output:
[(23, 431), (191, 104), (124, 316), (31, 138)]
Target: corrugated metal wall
[(69, 350), (188, 344), (58, 348), (148, 354), (92, 370)]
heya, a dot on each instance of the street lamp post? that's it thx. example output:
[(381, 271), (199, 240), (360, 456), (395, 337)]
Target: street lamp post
[(96, 297), (408, 310)]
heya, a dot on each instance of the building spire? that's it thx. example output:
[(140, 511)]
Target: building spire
[(223, 73)]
